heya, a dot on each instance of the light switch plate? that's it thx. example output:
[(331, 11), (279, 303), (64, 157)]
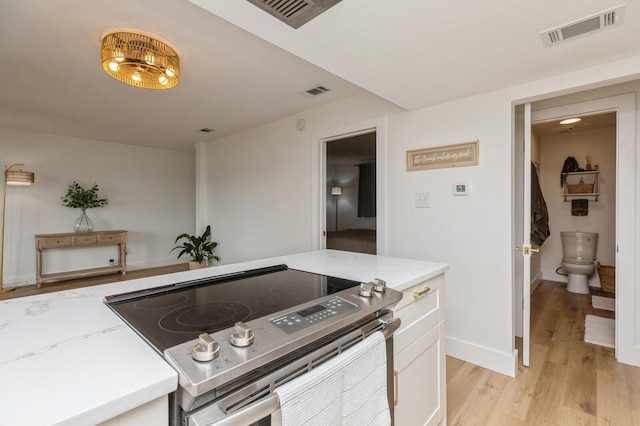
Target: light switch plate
[(423, 200)]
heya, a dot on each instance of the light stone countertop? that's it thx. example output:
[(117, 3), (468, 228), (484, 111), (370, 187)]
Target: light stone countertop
[(66, 358)]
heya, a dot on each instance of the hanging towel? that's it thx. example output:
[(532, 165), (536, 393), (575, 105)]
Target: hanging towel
[(580, 207), (539, 214), (348, 389)]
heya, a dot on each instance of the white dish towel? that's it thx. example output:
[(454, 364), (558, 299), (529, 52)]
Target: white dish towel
[(348, 389)]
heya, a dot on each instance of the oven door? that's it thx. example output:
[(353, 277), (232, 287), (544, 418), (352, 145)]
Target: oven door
[(254, 403)]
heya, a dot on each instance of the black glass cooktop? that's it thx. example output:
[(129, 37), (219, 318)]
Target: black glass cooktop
[(170, 315)]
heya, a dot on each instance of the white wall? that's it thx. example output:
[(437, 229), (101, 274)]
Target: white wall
[(259, 182), (151, 194), (601, 145), (471, 233), (260, 204)]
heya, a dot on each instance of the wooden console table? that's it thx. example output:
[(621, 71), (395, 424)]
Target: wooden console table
[(81, 240)]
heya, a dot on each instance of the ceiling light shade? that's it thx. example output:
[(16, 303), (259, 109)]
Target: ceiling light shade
[(140, 60), (570, 120)]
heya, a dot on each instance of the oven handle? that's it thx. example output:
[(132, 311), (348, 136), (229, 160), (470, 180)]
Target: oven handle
[(267, 406)]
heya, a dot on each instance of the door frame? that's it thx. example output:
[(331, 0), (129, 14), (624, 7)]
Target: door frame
[(627, 296), (319, 177)]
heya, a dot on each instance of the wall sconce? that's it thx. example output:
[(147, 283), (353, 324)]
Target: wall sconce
[(13, 178), (337, 191)]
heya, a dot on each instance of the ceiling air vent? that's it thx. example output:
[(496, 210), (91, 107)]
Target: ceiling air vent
[(294, 13), (597, 22), (318, 90), (558, 130)]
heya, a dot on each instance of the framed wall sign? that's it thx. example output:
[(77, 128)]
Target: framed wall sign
[(458, 155)]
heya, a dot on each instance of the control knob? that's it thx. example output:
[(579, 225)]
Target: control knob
[(206, 349), (366, 289), (379, 286), (242, 335)]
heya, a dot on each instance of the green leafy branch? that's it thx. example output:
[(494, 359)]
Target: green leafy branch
[(79, 198)]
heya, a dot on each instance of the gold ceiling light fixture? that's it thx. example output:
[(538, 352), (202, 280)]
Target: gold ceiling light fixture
[(140, 60)]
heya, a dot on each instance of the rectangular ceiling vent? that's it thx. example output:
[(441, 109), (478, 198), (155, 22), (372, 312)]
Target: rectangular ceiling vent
[(295, 13), (318, 90), (597, 22), (558, 130)]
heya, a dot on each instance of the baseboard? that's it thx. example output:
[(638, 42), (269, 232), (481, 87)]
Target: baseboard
[(535, 282), (501, 362), (20, 281), (133, 266)]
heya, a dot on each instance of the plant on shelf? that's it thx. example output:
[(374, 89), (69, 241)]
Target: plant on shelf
[(78, 197), (200, 248)]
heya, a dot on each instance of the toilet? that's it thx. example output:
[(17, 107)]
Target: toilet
[(578, 259)]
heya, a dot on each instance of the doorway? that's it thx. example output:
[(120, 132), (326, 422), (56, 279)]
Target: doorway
[(323, 208), (351, 194), (624, 108), (592, 143)]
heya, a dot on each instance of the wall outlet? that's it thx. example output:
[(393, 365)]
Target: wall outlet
[(112, 262)]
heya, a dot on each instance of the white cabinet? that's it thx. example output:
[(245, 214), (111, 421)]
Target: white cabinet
[(419, 356)]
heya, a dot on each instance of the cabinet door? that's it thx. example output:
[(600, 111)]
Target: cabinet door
[(420, 381), (421, 308)]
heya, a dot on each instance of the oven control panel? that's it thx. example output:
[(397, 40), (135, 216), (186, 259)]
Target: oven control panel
[(297, 321)]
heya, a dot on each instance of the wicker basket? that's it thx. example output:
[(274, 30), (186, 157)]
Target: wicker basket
[(581, 188), (607, 278)]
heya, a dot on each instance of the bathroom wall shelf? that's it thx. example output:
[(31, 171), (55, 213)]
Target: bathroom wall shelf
[(581, 185)]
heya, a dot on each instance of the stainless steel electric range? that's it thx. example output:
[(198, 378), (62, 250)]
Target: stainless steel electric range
[(234, 338)]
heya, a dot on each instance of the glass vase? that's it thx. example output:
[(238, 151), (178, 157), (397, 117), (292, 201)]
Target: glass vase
[(83, 223)]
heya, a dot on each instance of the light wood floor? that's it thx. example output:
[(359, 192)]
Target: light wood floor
[(569, 382), (86, 282)]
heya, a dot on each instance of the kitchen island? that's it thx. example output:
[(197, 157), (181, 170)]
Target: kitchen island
[(66, 358)]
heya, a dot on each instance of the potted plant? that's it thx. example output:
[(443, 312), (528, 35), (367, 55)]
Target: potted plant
[(78, 197), (198, 247)]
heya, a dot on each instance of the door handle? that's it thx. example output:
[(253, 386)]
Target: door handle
[(527, 250)]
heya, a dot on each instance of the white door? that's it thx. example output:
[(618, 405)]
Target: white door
[(526, 249)]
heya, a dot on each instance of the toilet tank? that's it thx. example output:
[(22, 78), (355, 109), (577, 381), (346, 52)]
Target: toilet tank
[(579, 245)]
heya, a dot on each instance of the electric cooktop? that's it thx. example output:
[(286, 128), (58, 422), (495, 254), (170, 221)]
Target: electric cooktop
[(169, 315)]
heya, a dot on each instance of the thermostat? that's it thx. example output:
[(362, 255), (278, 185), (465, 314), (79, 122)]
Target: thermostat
[(461, 188)]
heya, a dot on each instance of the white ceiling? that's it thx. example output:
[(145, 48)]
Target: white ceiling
[(413, 53), (586, 124)]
